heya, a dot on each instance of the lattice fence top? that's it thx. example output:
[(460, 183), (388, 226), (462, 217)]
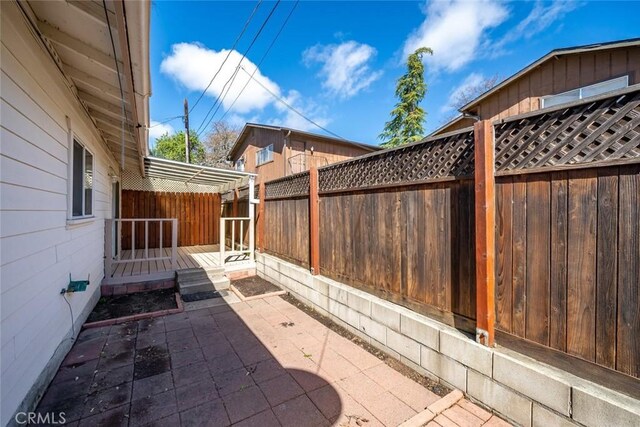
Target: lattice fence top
[(447, 156), (133, 181), (289, 186), (606, 129)]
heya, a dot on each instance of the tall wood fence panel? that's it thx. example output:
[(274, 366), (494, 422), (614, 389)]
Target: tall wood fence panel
[(412, 245), (198, 217), (568, 240), (286, 226)]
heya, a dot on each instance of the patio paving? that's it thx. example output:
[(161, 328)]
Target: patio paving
[(262, 362)]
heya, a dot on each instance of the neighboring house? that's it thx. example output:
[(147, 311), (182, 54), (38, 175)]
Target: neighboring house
[(273, 152), (64, 143), (561, 76)]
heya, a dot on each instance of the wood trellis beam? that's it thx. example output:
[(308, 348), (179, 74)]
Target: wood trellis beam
[(485, 231)]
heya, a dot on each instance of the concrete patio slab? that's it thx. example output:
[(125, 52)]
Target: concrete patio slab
[(261, 362)]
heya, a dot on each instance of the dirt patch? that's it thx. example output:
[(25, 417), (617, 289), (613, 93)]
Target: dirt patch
[(254, 285), (435, 387), (116, 306)]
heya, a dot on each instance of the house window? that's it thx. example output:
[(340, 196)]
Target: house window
[(264, 155), (82, 181), (240, 164), (584, 92)]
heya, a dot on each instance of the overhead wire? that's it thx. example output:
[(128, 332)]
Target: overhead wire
[(261, 59), (219, 98), (289, 106), (244, 28), (166, 121)]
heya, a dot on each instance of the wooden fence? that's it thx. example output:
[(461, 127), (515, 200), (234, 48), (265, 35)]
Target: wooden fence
[(198, 217), (404, 224), (567, 262)]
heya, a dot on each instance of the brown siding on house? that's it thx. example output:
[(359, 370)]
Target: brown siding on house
[(558, 75), (285, 147), (459, 125)]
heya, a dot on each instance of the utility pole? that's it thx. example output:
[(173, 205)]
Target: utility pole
[(187, 145)]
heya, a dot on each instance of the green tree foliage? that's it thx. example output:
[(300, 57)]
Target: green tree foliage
[(407, 117), (171, 147)]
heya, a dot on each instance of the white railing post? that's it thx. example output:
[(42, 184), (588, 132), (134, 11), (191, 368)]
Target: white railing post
[(252, 225), (222, 241), (133, 240), (161, 233), (233, 234), (146, 238), (108, 247), (119, 238), (174, 243)]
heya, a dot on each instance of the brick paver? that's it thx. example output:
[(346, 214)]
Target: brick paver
[(262, 362)]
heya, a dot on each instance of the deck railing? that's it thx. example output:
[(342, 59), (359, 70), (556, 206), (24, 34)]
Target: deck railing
[(232, 235), (113, 248)]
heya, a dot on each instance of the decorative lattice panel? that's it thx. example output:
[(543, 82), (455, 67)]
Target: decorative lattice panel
[(603, 130), (289, 186), (451, 156), (133, 181)]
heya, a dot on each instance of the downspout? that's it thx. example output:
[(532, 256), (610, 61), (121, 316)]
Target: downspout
[(286, 140)]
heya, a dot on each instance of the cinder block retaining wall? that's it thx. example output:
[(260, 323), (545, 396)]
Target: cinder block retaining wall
[(519, 388)]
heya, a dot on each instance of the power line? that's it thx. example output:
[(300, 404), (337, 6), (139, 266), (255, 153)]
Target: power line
[(246, 24), (165, 121), (261, 59), (218, 99), (290, 106)]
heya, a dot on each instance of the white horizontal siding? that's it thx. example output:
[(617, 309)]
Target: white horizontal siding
[(39, 249)]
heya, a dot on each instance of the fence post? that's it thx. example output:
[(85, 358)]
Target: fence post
[(261, 208), (314, 221), (485, 231)]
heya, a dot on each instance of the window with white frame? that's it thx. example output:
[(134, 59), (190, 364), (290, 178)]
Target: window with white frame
[(240, 164), (584, 92), (82, 181), (264, 155)]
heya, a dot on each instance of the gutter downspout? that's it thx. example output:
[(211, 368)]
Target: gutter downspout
[(286, 141)]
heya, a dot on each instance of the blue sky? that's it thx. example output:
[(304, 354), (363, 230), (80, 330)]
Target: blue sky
[(337, 62)]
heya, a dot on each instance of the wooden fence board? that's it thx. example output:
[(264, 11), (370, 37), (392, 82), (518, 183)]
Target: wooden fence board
[(538, 252), (628, 348), (198, 215), (607, 248), (558, 273), (582, 265)]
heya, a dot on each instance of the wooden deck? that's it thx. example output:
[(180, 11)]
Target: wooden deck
[(187, 257)]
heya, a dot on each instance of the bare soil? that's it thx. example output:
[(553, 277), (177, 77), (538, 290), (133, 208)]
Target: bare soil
[(254, 285), (427, 383), (116, 306)]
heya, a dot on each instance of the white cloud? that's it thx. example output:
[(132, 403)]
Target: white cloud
[(193, 66), (345, 67), (541, 17), (455, 30), (157, 129)]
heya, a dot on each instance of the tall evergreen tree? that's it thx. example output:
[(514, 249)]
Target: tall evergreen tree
[(407, 117)]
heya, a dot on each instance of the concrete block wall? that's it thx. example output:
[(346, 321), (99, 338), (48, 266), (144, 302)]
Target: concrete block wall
[(520, 389)]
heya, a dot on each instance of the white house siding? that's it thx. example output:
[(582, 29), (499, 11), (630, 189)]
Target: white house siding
[(39, 249)]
